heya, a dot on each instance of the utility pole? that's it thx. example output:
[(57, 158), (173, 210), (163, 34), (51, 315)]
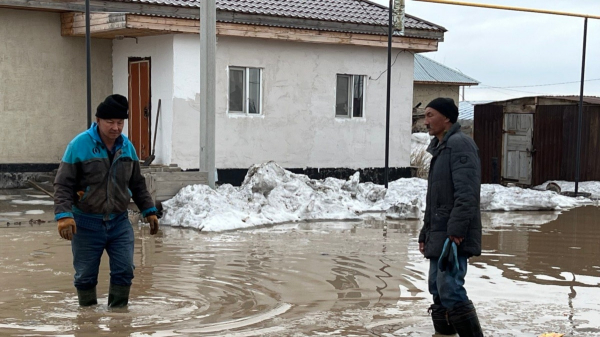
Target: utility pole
[(395, 20), (88, 63), (387, 102), (208, 47)]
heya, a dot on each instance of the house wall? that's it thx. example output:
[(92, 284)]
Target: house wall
[(298, 127), (43, 86), (160, 51), (425, 93)]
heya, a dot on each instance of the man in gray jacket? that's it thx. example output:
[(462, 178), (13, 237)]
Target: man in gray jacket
[(451, 231)]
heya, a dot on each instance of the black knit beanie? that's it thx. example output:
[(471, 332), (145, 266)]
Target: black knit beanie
[(114, 107), (446, 107)]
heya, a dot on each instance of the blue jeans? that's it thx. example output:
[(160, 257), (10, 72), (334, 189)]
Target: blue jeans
[(92, 238), (446, 289)]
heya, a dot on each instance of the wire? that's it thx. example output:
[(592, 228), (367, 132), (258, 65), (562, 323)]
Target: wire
[(425, 69), (383, 72), (369, 14), (534, 85)]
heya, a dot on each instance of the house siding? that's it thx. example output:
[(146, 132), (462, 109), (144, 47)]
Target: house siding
[(43, 86), (425, 93), (298, 127)]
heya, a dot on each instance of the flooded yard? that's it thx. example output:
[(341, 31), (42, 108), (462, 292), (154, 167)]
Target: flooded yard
[(540, 272)]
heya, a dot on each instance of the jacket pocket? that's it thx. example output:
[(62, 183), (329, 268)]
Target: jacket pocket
[(439, 219)]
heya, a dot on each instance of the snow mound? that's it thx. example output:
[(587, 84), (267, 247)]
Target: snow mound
[(272, 195), (592, 187), (501, 198)]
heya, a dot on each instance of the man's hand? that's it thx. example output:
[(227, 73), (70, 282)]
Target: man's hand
[(153, 221), (66, 228), (422, 247), (456, 239)]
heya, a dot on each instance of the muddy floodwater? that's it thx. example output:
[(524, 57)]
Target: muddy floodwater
[(539, 272)]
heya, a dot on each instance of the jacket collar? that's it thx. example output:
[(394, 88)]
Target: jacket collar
[(435, 146), (93, 132)]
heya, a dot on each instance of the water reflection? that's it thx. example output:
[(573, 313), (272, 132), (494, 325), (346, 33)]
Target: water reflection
[(564, 251)]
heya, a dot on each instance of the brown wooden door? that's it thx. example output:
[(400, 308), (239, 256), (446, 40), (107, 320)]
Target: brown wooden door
[(139, 106)]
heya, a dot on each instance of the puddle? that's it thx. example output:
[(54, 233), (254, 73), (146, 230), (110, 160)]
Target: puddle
[(539, 272)]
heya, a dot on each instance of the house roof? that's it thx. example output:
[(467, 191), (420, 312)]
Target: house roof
[(466, 109), (361, 12), (430, 71), (595, 100)]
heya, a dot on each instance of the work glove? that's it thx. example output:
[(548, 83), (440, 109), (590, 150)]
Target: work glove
[(66, 228), (153, 221), (448, 261)]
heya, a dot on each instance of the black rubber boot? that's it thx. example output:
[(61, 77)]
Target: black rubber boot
[(87, 297), (464, 319), (118, 296), (439, 316)]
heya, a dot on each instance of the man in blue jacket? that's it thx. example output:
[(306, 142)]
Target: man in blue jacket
[(98, 175), (451, 230)]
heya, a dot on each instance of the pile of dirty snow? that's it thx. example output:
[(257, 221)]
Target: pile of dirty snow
[(592, 187), (271, 195)]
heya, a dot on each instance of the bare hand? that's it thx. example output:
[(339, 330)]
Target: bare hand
[(422, 247), (456, 239)]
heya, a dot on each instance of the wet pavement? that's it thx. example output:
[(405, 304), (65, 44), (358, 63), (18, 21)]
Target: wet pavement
[(540, 272)]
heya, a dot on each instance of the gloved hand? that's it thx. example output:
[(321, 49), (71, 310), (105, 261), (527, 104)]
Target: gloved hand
[(153, 221), (66, 228)]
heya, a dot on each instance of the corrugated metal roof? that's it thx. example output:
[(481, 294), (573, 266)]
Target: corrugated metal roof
[(466, 109), (345, 11), (586, 99), (428, 70), (573, 98)]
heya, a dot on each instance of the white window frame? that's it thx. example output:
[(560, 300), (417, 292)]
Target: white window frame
[(246, 91), (350, 114)]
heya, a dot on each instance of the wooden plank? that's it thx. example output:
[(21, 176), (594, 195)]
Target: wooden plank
[(98, 28), (146, 25), (163, 28), (179, 176)]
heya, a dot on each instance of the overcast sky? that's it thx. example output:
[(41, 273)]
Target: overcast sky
[(516, 53)]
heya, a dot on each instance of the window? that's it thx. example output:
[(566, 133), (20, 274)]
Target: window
[(245, 90), (349, 96)]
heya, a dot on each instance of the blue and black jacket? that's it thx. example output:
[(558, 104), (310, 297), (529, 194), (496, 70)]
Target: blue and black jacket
[(88, 183)]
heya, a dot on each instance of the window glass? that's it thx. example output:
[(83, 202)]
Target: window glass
[(236, 90), (254, 91), (357, 99), (342, 96)]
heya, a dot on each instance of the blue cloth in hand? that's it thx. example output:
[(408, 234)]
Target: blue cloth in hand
[(448, 261)]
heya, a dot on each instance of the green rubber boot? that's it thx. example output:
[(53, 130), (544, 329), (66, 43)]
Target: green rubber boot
[(118, 296), (87, 297)]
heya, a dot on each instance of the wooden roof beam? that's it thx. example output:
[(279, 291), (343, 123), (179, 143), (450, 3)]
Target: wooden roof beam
[(73, 24)]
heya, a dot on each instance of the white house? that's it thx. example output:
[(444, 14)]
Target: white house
[(300, 83)]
